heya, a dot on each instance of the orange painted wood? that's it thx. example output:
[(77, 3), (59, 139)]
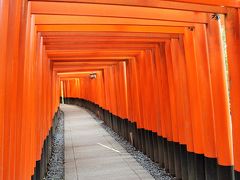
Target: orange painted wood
[(102, 46), (182, 113), (38, 97), (151, 69), (151, 63), (194, 96), (141, 73), (29, 99), (205, 90), (121, 90), (220, 94), (64, 19), (85, 9), (59, 38), (117, 35), (4, 8), (83, 63), (11, 106), (160, 122), (164, 95), (25, 131), (133, 93), (172, 92), (231, 3), (112, 91), (184, 118), (111, 28), (76, 55), (178, 90), (157, 4), (233, 45), (148, 95)]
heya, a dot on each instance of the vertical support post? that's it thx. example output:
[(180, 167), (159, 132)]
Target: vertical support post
[(186, 139), (205, 90), (161, 129), (233, 47), (179, 78), (13, 19), (220, 100), (195, 104), (4, 8), (167, 133), (173, 111)]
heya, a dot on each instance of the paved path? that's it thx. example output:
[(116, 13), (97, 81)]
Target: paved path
[(91, 153)]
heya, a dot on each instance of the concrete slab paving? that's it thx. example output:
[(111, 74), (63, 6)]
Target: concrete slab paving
[(91, 153)]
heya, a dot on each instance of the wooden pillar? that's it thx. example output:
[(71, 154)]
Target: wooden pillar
[(15, 25), (174, 45), (186, 136), (233, 47), (112, 91), (220, 100), (107, 88), (152, 106), (140, 69), (166, 122), (133, 95), (173, 110), (39, 97), (122, 89), (208, 160), (161, 129), (4, 8), (194, 101)]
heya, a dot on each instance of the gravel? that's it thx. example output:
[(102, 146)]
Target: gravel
[(152, 167), (56, 162)]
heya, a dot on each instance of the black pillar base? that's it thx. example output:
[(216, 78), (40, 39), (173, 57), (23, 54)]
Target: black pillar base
[(147, 142), (160, 152), (225, 172), (38, 170), (237, 175), (199, 167), (135, 135), (165, 152), (177, 160), (171, 157), (139, 147), (184, 161), (143, 139), (191, 167), (151, 147), (210, 168), (155, 147)]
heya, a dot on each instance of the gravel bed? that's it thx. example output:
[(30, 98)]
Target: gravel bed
[(56, 162), (152, 167)]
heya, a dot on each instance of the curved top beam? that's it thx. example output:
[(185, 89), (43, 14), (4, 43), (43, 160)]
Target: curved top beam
[(201, 5), (105, 10)]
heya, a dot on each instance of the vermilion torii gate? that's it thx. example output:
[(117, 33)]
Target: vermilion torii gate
[(160, 66)]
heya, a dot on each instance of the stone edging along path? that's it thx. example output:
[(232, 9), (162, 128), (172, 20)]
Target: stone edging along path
[(56, 162)]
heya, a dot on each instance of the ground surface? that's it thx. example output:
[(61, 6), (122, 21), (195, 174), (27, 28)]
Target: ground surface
[(92, 153)]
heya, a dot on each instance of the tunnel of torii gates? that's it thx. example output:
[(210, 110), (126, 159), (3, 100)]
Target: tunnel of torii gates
[(157, 68)]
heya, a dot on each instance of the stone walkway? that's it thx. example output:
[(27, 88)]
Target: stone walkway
[(91, 153)]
